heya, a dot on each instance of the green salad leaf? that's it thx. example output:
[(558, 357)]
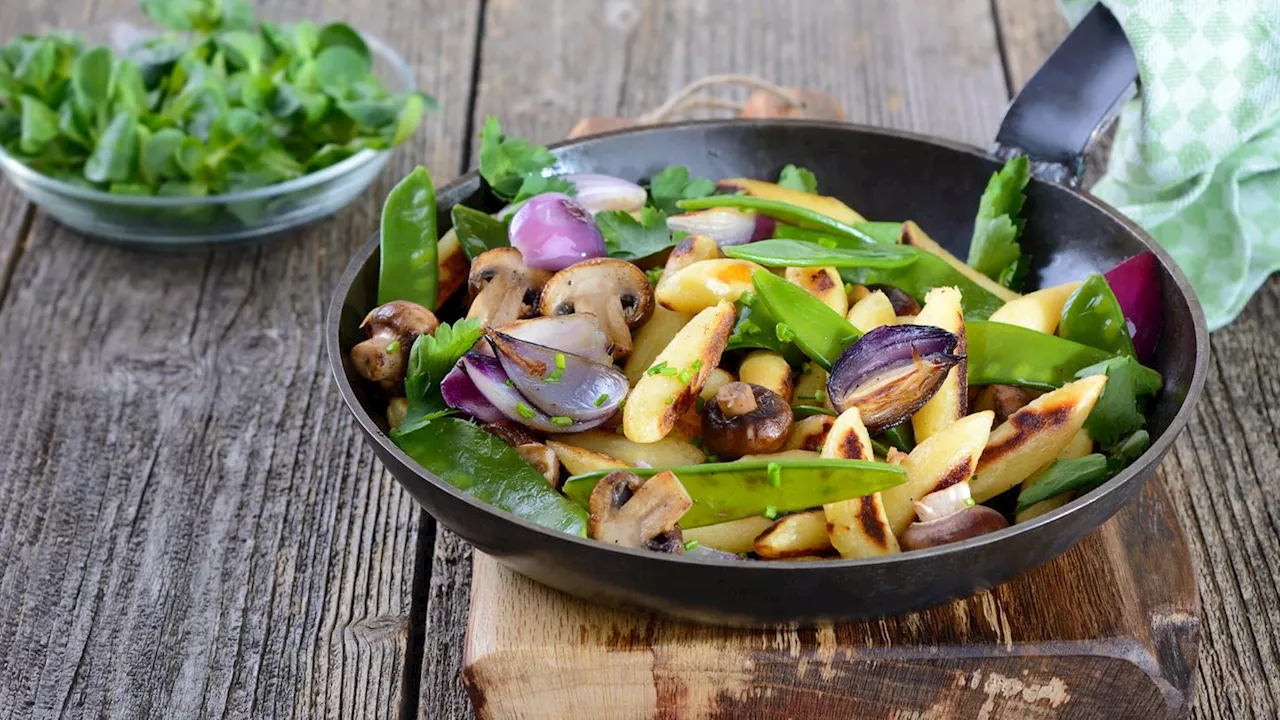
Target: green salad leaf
[(626, 238), (1120, 410), (506, 162), (798, 178), (478, 231), (1062, 476), (430, 359), (994, 250), (673, 184)]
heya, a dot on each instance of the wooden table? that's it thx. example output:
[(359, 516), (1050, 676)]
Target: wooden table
[(190, 525)]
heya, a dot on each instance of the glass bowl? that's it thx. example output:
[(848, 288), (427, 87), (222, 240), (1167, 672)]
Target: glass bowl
[(177, 221)]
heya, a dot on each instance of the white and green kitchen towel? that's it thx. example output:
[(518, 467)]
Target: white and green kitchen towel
[(1197, 157)]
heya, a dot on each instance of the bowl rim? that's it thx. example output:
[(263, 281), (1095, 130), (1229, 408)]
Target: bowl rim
[(19, 171), (1138, 470)]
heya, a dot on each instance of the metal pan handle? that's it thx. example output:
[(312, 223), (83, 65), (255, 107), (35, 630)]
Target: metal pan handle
[(1071, 99)]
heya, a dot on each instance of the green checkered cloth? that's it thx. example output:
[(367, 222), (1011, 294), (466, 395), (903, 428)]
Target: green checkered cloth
[(1197, 157)]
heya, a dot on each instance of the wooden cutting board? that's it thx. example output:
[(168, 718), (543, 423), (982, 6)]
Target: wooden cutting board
[(1107, 630)]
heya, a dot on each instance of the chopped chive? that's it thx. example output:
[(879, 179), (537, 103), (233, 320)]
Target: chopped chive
[(668, 370), (775, 475), (670, 399), (770, 512), (820, 395), (686, 376), (696, 366), (509, 383), (393, 346), (654, 275), (691, 545), (747, 298), (525, 411), (970, 502), (604, 398), (555, 375), (848, 288), (656, 368), (784, 333), (561, 420)]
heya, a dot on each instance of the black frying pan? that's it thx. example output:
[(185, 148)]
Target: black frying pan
[(883, 174)]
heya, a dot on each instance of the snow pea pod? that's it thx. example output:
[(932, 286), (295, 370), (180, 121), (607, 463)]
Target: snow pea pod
[(1062, 476), (819, 332), (926, 272), (883, 232), (1001, 354), (783, 212), (757, 328), (798, 253), (408, 242), (480, 464), (1093, 316), (730, 491)]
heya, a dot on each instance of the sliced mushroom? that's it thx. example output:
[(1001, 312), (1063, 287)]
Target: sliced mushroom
[(512, 433), (615, 291), (970, 522), (629, 511), (745, 419), (543, 460), (503, 289), (1004, 400), (392, 329)]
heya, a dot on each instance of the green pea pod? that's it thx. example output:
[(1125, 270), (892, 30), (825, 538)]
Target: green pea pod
[(883, 232), (801, 412), (408, 243), (478, 231), (1001, 354), (927, 272), (757, 328), (1062, 476), (819, 332), (1093, 316), (480, 464), (798, 253), (791, 214), (729, 491)]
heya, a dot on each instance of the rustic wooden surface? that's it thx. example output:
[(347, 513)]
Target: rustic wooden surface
[(1106, 630), (189, 525)]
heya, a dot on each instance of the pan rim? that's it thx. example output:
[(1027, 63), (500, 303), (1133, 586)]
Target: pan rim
[(1138, 471)]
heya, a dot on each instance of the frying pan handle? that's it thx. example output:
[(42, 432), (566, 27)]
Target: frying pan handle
[(1071, 99)]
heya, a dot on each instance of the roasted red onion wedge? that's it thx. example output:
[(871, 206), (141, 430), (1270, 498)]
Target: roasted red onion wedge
[(460, 393), (727, 226), (491, 381), (606, 192), (579, 333), (553, 231), (891, 372), (559, 383), (1136, 285)]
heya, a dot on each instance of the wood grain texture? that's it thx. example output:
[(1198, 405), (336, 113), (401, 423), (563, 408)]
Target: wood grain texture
[(1106, 630), (190, 525), (1222, 472)]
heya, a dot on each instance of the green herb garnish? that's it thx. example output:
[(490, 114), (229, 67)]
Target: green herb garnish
[(561, 420), (798, 178), (558, 372), (673, 184), (525, 411), (994, 250), (600, 401), (775, 474), (626, 238)]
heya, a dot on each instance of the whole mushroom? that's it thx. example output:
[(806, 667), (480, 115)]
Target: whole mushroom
[(745, 419), (632, 512), (391, 328), (615, 291), (502, 288)]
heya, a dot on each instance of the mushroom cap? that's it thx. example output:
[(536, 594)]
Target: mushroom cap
[(507, 261), (401, 318), (598, 278), (969, 522), (629, 511), (745, 419)]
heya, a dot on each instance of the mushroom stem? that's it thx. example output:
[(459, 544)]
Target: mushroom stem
[(498, 303), (614, 322), (736, 399)]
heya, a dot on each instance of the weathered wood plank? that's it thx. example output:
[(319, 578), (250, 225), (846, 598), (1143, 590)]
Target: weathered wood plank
[(624, 57), (190, 525), (1222, 470)]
